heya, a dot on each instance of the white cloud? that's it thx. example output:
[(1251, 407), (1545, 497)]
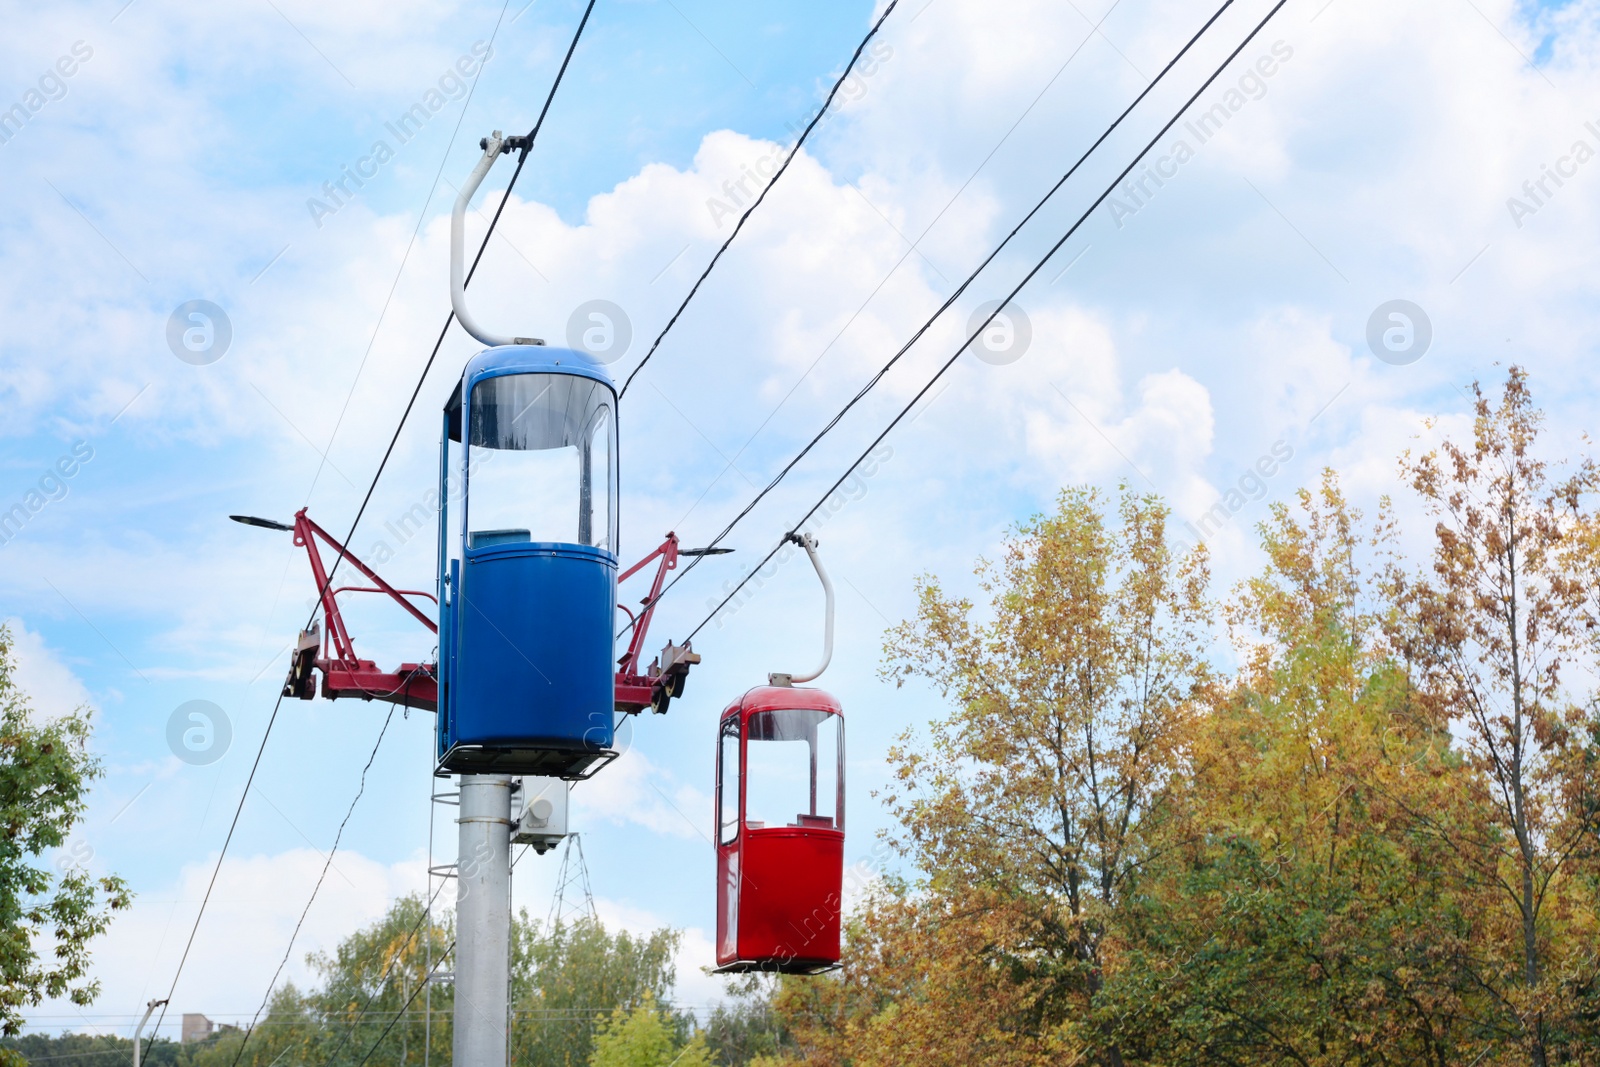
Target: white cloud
[(253, 908), (694, 989), (50, 685), (634, 790), (1179, 348)]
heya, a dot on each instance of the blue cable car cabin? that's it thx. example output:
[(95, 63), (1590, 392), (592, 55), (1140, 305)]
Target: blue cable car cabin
[(528, 565)]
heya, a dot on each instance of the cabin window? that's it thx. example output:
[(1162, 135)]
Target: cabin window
[(728, 781), (794, 763), (541, 462)]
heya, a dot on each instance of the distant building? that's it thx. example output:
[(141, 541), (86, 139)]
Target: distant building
[(196, 1027)]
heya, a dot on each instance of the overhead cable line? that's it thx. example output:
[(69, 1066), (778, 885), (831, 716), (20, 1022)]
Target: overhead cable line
[(315, 889), (912, 246), (216, 870), (962, 288), (404, 1008), (995, 313), (793, 152), (522, 158), (273, 718), (384, 977)]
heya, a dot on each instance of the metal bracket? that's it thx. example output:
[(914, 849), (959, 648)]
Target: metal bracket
[(517, 143), (654, 687)]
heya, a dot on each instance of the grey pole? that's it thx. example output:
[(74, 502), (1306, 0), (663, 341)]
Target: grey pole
[(148, 1009), (483, 921)]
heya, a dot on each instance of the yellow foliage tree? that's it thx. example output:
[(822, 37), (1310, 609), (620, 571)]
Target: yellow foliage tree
[(1024, 814), (1493, 627), (1376, 843)]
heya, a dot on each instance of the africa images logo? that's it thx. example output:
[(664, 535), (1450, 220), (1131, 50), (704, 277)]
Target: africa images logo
[(199, 332), (1399, 332), (51, 486), (199, 732)]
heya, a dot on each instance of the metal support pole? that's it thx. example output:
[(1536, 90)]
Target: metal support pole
[(148, 1009), (483, 921)]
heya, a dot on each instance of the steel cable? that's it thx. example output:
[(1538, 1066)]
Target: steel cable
[(339, 558), (793, 152), (923, 329), (317, 888), (992, 315)]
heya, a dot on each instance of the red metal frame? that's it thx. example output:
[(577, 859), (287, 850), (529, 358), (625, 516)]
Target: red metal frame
[(664, 680), (344, 674), (668, 552)]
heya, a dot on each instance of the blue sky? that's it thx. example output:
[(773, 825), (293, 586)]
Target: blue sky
[(1186, 331)]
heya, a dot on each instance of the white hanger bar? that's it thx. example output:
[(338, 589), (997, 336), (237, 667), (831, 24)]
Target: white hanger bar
[(493, 145), (809, 543)]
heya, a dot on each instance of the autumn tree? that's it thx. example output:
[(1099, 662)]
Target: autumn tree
[(1377, 842), (1492, 628), (1296, 914), (47, 917), (1023, 814), (936, 976)]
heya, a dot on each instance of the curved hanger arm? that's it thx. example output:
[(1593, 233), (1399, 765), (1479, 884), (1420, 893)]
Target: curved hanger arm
[(493, 145), (809, 543)]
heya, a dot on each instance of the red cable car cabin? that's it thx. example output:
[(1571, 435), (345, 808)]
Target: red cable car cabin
[(780, 831)]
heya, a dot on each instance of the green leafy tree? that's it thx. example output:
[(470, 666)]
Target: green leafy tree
[(285, 1036), (646, 1037), (370, 1005), (47, 919), (745, 1026), (366, 1005), (568, 977), (369, 996), (91, 1050)]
